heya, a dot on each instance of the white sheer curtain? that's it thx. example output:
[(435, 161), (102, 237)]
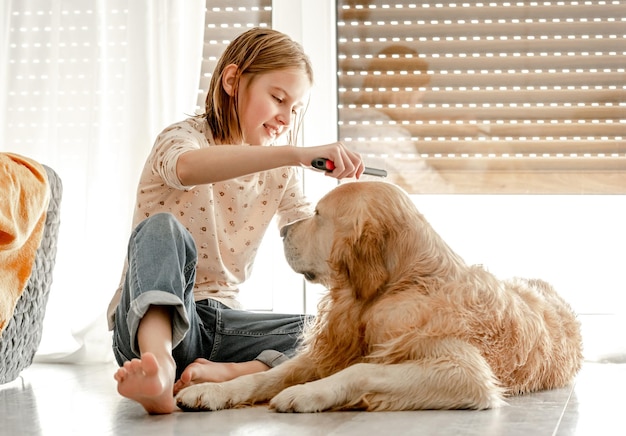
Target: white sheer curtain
[(85, 87)]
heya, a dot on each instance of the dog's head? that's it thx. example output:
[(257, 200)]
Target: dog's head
[(363, 235)]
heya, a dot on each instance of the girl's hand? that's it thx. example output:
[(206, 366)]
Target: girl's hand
[(347, 163)]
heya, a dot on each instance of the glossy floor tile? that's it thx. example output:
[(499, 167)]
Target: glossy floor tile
[(58, 399)]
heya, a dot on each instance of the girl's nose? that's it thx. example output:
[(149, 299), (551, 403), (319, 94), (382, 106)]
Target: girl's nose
[(284, 118)]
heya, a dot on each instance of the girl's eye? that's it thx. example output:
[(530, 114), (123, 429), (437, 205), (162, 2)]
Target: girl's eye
[(280, 100)]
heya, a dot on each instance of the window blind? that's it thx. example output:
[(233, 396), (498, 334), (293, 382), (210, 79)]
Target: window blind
[(223, 22), (486, 97)]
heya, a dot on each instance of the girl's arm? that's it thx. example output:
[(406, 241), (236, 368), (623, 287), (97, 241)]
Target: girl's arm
[(223, 162)]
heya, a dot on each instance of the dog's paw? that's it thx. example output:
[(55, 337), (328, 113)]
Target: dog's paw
[(203, 396), (306, 398)]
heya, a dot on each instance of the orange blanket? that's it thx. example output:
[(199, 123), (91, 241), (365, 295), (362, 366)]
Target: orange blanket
[(24, 197)]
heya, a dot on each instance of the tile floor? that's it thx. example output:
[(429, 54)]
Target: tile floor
[(62, 399)]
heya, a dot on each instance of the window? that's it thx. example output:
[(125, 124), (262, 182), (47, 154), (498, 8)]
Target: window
[(486, 97)]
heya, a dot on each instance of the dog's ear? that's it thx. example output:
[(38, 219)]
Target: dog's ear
[(359, 259)]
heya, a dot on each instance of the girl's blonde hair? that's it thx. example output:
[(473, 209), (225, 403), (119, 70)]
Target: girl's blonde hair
[(256, 51)]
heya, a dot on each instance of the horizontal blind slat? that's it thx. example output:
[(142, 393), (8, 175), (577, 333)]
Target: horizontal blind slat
[(558, 130), (540, 147), (482, 96), (375, 10), (445, 48), (226, 5), (556, 164), (544, 112), (503, 32), (482, 80), (518, 182), (482, 62)]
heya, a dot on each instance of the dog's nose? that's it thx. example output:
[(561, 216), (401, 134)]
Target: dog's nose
[(283, 231)]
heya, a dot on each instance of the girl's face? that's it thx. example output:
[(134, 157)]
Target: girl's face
[(269, 102)]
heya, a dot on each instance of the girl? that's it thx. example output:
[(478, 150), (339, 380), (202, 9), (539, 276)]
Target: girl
[(208, 192)]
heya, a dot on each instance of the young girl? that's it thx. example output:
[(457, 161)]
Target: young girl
[(208, 192)]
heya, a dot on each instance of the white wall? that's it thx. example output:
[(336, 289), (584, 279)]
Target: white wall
[(578, 243)]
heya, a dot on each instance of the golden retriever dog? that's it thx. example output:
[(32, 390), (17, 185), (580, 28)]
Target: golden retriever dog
[(405, 324)]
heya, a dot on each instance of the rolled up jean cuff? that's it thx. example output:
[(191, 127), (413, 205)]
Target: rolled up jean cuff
[(271, 358), (139, 307)]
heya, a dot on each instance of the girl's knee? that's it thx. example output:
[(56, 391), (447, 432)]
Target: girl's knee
[(161, 223), (165, 230)]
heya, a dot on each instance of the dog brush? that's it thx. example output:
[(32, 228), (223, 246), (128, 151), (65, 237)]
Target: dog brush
[(328, 165)]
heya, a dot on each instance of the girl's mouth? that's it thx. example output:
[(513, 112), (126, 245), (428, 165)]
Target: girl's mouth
[(272, 131)]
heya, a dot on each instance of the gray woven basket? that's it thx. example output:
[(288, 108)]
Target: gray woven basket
[(22, 336)]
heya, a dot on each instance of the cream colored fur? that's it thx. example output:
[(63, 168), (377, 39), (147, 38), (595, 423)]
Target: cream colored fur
[(406, 324)]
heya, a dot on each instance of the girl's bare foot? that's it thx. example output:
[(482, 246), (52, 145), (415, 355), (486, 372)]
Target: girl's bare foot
[(203, 370), (149, 382)]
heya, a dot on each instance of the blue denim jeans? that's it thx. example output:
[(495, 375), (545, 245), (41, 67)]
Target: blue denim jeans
[(161, 271)]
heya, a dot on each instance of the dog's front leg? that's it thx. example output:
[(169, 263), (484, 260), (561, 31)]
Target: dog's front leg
[(411, 385), (247, 389)]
